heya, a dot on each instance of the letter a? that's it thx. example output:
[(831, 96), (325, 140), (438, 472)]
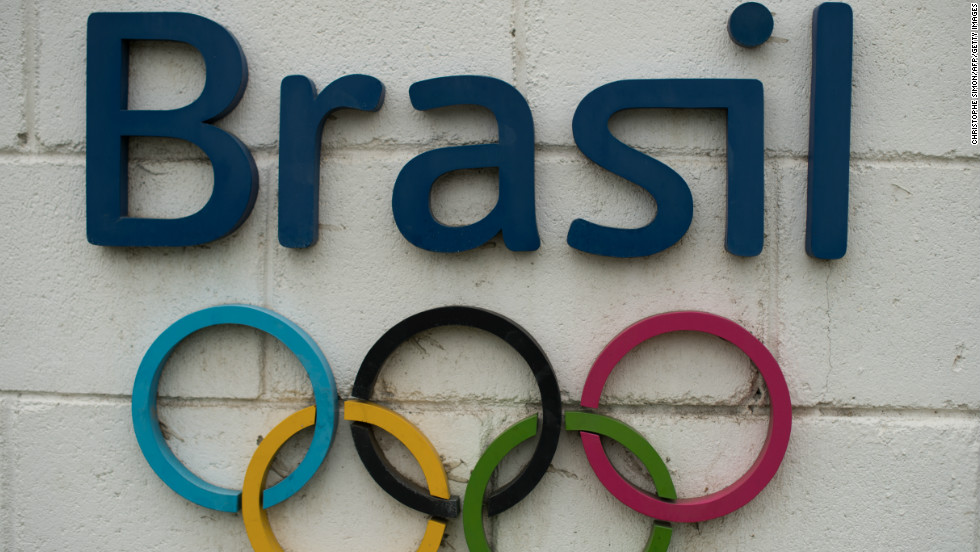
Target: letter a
[(514, 154)]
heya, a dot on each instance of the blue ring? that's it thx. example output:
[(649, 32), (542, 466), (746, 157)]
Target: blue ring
[(147, 426)]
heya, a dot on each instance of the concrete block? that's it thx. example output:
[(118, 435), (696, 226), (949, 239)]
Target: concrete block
[(80, 482), (6, 514), (164, 75), (879, 348), (892, 323), (340, 507), (924, 478), (571, 51), (368, 277), (73, 306), (446, 364), (907, 87), (904, 472), (705, 452), (904, 80), (13, 68), (399, 43), (109, 498)]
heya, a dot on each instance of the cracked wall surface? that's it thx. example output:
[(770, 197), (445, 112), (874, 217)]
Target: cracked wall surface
[(879, 349)]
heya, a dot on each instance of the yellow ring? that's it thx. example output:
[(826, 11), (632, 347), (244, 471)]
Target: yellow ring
[(413, 439), (257, 520)]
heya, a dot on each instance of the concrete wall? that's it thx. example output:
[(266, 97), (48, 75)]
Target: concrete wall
[(880, 348)]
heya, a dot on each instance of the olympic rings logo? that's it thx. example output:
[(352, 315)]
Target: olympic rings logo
[(436, 500)]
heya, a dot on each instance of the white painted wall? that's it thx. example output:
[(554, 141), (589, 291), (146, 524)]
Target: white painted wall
[(880, 349)]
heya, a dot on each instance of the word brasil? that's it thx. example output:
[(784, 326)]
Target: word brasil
[(436, 501), (303, 112)]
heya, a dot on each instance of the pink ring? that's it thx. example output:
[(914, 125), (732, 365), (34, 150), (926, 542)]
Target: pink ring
[(737, 494)]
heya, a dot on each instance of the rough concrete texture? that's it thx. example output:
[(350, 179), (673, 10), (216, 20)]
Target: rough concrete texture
[(904, 81), (879, 349), (13, 63), (825, 497), (70, 305)]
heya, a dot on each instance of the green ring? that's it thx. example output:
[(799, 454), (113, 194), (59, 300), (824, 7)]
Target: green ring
[(476, 538), (632, 440)]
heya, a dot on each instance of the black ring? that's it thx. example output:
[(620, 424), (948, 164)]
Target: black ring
[(549, 426)]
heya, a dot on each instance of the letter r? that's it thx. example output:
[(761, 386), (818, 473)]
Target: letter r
[(110, 124)]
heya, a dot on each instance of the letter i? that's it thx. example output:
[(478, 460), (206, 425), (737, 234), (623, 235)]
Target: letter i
[(830, 131)]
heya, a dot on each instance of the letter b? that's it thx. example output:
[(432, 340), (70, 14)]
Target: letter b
[(110, 123)]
